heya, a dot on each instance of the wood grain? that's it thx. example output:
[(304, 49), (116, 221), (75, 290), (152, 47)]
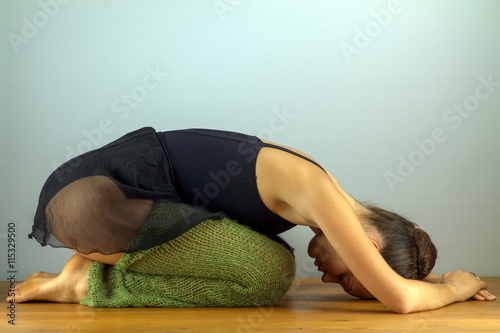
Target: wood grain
[(309, 306)]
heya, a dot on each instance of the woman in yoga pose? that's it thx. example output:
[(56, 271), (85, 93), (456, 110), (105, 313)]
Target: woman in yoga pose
[(190, 218)]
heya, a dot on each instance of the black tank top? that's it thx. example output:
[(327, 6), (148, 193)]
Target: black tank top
[(216, 170), (202, 174)]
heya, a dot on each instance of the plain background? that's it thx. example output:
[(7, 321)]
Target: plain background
[(362, 86)]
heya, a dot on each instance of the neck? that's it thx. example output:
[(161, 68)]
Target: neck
[(359, 209)]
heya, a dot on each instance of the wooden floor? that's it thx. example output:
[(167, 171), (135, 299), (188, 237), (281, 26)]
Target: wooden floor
[(309, 306)]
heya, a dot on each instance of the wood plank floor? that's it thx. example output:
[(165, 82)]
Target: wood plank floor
[(309, 306)]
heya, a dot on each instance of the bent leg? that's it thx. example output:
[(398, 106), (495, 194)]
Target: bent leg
[(216, 263), (70, 286)]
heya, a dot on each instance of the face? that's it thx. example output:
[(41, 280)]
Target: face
[(333, 268)]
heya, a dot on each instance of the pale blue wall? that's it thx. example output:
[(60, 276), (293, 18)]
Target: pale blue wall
[(360, 83)]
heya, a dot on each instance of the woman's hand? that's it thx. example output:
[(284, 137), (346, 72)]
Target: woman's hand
[(484, 295), (466, 285)]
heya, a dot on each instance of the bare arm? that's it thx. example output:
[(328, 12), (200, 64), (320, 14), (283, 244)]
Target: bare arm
[(301, 192), (331, 212)]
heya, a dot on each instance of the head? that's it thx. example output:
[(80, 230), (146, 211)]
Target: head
[(333, 267), (407, 249)]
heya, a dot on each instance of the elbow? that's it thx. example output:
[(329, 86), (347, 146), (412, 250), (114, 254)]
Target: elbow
[(401, 308), (402, 304)]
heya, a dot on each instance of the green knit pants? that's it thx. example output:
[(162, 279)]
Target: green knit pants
[(218, 263)]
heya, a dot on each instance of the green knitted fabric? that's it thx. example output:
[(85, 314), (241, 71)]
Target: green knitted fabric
[(216, 263)]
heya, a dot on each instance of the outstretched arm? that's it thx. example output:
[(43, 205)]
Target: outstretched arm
[(305, 194), (331, 212)]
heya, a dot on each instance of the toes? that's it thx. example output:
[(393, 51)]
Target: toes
[(15, 298), (29, 289)]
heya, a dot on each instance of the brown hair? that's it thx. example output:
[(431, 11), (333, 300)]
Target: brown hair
[(405, 247)]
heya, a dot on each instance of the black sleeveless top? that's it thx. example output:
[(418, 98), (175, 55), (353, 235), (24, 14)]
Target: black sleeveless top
[(216, 170), (201, 173)]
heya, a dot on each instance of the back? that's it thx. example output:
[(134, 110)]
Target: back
[(216, 170)]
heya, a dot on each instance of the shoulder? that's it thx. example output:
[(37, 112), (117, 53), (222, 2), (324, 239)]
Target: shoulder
[(286, 182)]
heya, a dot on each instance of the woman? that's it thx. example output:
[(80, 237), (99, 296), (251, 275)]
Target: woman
[(267, 187)]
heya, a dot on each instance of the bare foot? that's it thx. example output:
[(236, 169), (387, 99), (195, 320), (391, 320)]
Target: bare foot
[(68, 287), (35, 275)]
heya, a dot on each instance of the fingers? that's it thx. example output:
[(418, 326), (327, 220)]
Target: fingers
[(469, 286), (484, 295)]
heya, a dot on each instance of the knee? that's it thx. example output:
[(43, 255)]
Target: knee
[(271, 278)]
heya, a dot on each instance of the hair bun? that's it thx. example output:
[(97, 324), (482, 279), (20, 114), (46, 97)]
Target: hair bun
[(407, 249), (426, 253)]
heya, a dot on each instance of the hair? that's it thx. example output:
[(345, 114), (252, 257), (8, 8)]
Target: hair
[(405, 247)]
